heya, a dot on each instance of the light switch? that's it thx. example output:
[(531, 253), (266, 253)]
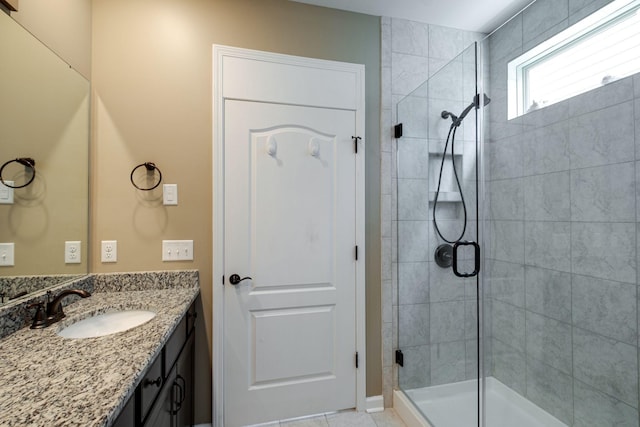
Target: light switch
[(170, 194), (6, 193), (6, 254), (177, 250)]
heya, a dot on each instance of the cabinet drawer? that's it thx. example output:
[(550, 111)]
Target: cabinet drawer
[(175, 343), (150, 386)]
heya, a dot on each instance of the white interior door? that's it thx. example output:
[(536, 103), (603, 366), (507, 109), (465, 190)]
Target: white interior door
[(289, 225)]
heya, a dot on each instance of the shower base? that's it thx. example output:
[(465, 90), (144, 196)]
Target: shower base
[(455, 405)]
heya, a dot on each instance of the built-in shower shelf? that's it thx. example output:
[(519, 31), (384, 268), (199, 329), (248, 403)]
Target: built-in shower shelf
[(445, 196), (436, 148)]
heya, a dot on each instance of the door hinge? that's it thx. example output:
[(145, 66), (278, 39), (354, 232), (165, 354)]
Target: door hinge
[(357, 360), (399, 357), (355, 142), (356, 252), (397, 131)]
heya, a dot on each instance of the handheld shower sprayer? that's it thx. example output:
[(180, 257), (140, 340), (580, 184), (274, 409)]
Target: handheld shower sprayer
[(444, 250), (457, 120)]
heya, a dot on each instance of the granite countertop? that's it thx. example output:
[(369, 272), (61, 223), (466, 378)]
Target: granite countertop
[(47, 380)]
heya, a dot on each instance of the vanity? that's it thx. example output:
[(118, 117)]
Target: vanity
[(139, 377)]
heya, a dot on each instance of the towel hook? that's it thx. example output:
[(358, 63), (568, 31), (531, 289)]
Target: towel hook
[(27, 162), (150, 167)]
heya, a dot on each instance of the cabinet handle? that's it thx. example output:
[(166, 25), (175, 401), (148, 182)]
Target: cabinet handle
[(177, 397), (157, 382), (182, 387)]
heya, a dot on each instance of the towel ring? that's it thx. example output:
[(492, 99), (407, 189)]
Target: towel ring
[(150, 168), (26, 162)]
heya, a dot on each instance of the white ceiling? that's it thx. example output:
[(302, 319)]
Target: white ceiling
[(474, 15)]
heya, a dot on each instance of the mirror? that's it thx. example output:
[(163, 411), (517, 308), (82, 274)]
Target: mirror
[(44, 116)]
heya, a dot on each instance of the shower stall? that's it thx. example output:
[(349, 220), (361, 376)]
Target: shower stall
[(515, 297)]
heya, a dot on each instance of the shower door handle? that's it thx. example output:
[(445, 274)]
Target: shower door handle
[(476, 255)]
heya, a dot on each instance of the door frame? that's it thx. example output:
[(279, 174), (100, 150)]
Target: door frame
[(346, 91)]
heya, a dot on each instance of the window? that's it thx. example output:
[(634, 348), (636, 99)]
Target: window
[(601, 48)]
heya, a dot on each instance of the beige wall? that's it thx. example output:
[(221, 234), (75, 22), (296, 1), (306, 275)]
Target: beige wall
[(63, 25), (152, 94)]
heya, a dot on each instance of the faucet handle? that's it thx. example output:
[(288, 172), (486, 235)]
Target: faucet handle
[(39, 318)]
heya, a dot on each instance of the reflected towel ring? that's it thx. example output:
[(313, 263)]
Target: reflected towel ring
[(26, 162), (150, 168)]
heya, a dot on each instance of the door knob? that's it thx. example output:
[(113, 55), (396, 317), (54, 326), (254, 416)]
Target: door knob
[(234, 279)]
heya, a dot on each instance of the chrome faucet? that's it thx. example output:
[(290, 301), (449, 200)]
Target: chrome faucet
[(54, 308)]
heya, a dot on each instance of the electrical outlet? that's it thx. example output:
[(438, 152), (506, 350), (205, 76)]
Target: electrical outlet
[(72, 252), (177, 250), (6, 254), (109, 252)]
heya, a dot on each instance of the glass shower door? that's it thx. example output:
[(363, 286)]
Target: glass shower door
[(437, 253)]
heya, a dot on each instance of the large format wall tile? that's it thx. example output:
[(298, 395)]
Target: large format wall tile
[(608, 308), (408, 72), (608, 365), (550, 389), (414, 325), (444, 285), (602, 137), (546, 197), (413, 235), (603, 193), (409, 37), (509, 366), (606, 96), (604, 250), (508, 323), (548, 292), (542, 15), (413, 199), (507, 241), (549, 341), (505, 158), (447, 321), (546, 149), (548, 244), (637, 118), (595, 408), (413, 282), (506, 198), (416, 372), (507, 41), (507, 282), (448, 362)]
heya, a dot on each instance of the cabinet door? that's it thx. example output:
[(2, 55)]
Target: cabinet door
[(127, 417), (184, 385), (163, 411)]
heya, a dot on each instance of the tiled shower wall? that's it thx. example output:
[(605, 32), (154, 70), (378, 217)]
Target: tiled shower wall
[(411, 53), (563, 193)]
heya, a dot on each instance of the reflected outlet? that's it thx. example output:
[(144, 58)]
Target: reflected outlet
[(6, 254), (73, 252)]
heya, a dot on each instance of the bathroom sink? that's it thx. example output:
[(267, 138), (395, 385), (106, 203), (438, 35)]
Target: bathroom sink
[(106, 324)]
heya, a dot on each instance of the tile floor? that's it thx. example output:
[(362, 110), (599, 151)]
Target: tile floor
[(388, 418)]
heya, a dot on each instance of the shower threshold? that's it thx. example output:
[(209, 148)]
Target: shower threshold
[(455, 405)]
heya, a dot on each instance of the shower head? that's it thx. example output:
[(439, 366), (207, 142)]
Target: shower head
[(457, 120)]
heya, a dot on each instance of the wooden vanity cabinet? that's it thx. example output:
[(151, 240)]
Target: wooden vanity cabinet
[(164, 397)]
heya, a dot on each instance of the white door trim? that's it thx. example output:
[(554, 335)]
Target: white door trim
[(348, 82)]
